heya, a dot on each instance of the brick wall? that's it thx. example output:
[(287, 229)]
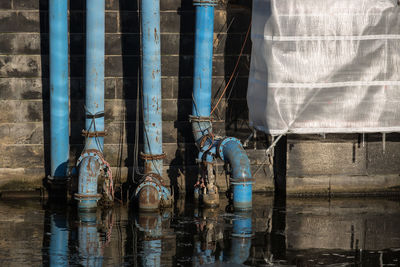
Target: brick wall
[(24, 85)]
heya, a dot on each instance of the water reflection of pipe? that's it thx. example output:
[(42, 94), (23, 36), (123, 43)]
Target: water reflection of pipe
[(58, 251), (150, 226), (90, 251), (208, 242), (241, 237)]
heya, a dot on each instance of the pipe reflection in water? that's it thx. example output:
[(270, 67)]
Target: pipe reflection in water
[(241, 237), (90, 248), (152, 228), (58, 251), (208, 242)]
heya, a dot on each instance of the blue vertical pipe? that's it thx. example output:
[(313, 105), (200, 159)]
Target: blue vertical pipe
[(59, 106), (203, 55), (58, 252), (95, 71), (151, 63), (90, 161)]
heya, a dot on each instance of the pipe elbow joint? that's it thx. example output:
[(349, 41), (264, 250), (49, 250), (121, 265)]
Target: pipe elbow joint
[(231, 150)]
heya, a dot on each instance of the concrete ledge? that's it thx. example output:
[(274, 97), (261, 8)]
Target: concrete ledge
[(21, 179), (342, 185), (32, 178)]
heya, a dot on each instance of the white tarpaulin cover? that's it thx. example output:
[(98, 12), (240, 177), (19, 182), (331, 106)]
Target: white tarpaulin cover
[(325, 66)]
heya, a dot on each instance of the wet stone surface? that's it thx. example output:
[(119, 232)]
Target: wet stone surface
[(277, 232)]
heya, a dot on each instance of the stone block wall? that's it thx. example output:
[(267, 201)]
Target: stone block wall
[(312, 164), (24, 86)]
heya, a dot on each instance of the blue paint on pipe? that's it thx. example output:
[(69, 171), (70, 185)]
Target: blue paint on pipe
[(203, 55), (95, 71), (89, 164), (58, 251), (59, 100), (89, 171), (231, 150), (151, 62)]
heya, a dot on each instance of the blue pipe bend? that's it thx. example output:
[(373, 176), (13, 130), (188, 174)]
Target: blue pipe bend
[(231, 150)]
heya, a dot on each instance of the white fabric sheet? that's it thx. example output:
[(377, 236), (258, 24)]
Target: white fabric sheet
[(325, 66)]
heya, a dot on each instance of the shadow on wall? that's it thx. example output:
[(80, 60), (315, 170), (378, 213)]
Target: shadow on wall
[(44, 51), (234, 104), (182, 170), (129, 24)]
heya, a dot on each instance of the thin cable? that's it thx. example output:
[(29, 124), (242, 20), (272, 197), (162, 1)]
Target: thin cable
[(234, 70)]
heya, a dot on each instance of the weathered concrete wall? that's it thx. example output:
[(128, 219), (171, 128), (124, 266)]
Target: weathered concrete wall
[(24, 85), (341, 163)]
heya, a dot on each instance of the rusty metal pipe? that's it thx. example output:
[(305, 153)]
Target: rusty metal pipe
[(151, 193), (90, 163)]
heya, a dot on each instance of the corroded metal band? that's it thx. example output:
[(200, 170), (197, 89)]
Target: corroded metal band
[(94, 134), (206, 137), (152, 156), (95, 116), (242, 181), (199, 119), (81, 196), (205, 2)]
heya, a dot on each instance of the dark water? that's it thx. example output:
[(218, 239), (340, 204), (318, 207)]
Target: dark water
[(293, 232)]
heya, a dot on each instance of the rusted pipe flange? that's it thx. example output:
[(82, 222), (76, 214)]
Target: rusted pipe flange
[(94, 134), (90, 153), (222, 142), (242, 180), (152, 156), (85, 197), (205, 2)]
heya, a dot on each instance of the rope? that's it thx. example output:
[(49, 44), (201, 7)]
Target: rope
[(267, 152), (234, 70), (92, 116)]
